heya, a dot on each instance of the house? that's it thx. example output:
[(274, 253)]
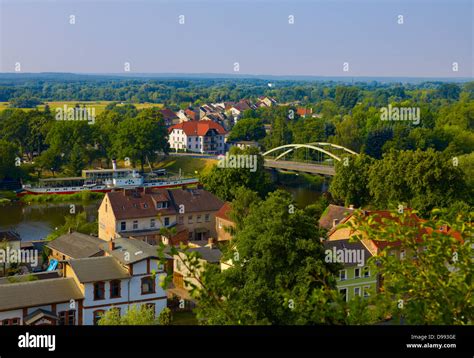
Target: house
[(198, 136), (224, 222), (169, 117), (304, 112), (240, 107), (372, 244), (182, 276), (197, 209), (266, 101), (142, 215), (74, 245), (139, 214), (333, 215), (357, 277), (128, 274), (41, 302), (192, 114)]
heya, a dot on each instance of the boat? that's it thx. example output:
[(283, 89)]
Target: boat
[(103, 181)]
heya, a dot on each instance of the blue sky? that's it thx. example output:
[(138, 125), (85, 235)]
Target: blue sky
[(256, 34)]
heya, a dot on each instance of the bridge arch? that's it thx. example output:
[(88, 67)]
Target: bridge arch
[(315, 146)]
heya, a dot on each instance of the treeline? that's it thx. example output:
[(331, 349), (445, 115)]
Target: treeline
[(32, 142), (182, 92)]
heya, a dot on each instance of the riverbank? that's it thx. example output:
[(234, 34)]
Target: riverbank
[(85, 196), (7, 196)]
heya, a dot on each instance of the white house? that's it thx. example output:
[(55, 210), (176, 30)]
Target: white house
[(129, 274), (198, 136)]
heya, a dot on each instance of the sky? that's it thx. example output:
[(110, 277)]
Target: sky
[(364, 34)]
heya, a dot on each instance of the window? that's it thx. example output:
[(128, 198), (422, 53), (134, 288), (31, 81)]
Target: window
[(356, 291), (195, 146), (366, 271), (167, 221), (105, 207), (198, 219), (357, 273), (115, 289), (135, 224), (148, 285), (181, 220), (152, 222), (366, 291), (99, 291), (343, 275), (97, 315), (11, 322), (67, 318), (343, 292), (123, 226), (190, 219)]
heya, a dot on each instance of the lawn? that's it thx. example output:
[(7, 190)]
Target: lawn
[(184, 319), (99, 106), (188, 165)]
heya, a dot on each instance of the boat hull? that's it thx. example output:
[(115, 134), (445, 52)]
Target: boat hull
[(103, 188)]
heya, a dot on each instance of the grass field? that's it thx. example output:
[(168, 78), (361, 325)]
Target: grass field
[(98, 105), (189, 166)]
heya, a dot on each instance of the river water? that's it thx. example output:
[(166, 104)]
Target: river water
[(36, 221)]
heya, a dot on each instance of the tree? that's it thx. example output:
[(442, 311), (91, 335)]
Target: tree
[(376, 140), (247, 129), (278, 275), (139, 139), (449, 91), (421, 179), (433, 283), (8, 155), (346, 97), (135, 315), (351, 182), (223, 182), (165, 317)]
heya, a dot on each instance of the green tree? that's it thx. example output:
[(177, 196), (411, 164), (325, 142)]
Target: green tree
[(247, 129), (351, 182), (135, 315), (165, 317), (278, 275), (139, 139), (433, 283), (223, 182)]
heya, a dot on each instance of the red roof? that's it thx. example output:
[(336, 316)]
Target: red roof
[(304, 111), (224, 211), (199, 128)]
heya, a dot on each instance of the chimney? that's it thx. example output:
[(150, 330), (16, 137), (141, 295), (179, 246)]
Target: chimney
[(111, 245), (335, 222), (351, 207)]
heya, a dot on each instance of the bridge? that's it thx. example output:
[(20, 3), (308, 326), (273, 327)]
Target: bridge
[(327, 153)]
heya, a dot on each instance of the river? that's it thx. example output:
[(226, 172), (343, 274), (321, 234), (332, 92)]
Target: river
[(36, 221)]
